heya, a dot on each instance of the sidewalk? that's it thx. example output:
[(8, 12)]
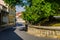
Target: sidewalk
[(6, 26)]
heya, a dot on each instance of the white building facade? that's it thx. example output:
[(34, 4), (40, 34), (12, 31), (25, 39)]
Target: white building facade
[(9, 15)]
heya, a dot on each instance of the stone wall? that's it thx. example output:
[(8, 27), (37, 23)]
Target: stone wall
[(44, 32)]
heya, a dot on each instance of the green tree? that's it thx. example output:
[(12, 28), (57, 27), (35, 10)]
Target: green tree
[(13, 3), (40, 10)]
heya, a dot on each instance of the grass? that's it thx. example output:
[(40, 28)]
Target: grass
[(57, 24)]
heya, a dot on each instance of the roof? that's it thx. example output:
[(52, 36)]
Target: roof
[(19, 13), (3, 6), (2, 2)]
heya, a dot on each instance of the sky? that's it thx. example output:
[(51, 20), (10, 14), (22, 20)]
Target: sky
[(19, 8)]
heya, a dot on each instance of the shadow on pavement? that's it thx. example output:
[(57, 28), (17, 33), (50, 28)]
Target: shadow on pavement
[(9, 34)]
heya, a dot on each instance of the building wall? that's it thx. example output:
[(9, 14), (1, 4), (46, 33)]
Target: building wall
[(3, 7), (2, 2), (5, 19), (8, 17), (11, 15)]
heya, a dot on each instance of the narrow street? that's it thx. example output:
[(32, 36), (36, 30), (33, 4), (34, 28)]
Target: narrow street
[(33, 11), (16, 34)]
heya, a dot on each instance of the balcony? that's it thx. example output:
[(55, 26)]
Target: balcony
[(3, 8)]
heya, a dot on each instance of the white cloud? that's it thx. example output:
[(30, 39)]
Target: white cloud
[(19, 8)]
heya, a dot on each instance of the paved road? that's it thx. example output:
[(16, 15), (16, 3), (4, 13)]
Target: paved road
[(16, 34)]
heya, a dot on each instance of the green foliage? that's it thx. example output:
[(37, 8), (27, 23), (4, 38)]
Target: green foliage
[(12, 3), (40, 9)]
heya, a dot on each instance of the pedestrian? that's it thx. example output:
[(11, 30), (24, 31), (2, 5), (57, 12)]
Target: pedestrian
[(26, 26)]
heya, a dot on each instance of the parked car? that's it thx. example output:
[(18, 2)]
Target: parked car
[(21, 26)]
